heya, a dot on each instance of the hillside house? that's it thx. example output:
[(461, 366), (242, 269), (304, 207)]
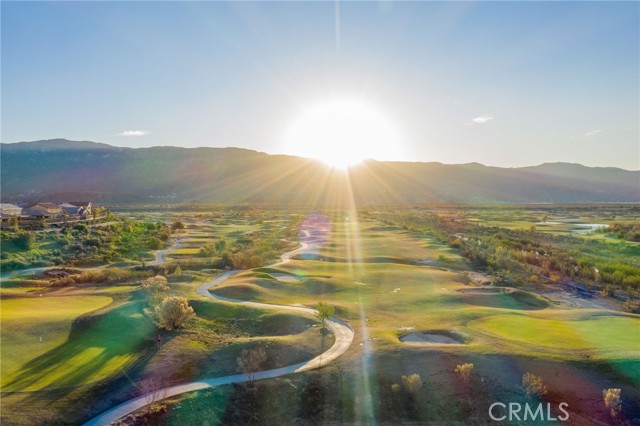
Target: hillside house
[(81, 208), (10, 209), (50, 209)]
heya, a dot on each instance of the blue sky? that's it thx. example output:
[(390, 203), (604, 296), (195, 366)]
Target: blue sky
[(500, 83)]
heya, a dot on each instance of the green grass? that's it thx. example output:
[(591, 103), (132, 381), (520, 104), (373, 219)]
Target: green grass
[(185, 251), (97, 347), (25, 320), (599, 335)]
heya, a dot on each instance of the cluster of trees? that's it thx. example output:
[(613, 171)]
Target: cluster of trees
[(624, 231), (527, 255), (81, 244), (171, 312), (250, 249)]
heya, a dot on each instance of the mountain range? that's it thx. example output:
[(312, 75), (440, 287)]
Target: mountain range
[(59, 169)]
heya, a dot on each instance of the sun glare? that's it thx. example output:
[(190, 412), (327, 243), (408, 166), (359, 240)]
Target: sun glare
[(343, 132)]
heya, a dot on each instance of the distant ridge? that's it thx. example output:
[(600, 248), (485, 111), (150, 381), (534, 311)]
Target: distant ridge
[(59, 169)]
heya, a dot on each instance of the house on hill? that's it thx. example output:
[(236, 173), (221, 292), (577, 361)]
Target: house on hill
[(50, 209), (10, 209), (81, 208)]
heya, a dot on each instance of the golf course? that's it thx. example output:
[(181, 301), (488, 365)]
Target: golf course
[(405, 303)]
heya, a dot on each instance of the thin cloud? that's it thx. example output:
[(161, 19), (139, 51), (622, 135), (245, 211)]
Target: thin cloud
[(130, 133), (592, 133), (483, 119)]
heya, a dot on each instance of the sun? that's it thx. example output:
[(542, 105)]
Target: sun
[(343, 132)]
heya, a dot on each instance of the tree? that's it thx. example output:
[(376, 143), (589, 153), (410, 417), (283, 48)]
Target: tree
[(155, 243), (324, 311), (412, 383), (25, 240), (153, 389), (250, 361), (174, 312), (178, 271), (533, 385), (177, 225), (464, 371), (155, 288), (613, 401)]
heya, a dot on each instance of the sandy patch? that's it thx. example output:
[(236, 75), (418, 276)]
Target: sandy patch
[(431, 338), (484, 290), (287, 278)]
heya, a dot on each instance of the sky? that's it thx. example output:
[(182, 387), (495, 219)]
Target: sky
[(500, 83)]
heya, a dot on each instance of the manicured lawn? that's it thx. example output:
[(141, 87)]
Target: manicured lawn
[(95, 349), (26, 320), (603, 336)]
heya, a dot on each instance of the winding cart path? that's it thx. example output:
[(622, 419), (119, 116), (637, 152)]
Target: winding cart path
[(343, 338)]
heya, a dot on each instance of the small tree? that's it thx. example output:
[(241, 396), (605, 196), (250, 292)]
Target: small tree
[(613, 401), (533, 385), (412, 384), (178, 271), (324, 311), (174, 312), (395, 388), (155, 288), (25, 240), (464, 371), (177, 225), (154, 389), (250, 361)]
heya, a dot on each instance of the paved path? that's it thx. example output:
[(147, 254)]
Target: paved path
[(343, 338), (160, 254)]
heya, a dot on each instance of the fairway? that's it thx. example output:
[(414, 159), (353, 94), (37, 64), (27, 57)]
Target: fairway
[(601, 335), (26, 321)]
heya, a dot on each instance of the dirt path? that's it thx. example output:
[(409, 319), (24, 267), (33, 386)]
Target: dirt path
[(343, 338)]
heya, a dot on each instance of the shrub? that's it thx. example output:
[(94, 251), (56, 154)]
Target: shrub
[(395, 388), (533, 385), (174, 312), (154, 288), (613, 401), (412, 384), (155, 243), (177, 225), (25, 240), (464, 371), (250, 361)]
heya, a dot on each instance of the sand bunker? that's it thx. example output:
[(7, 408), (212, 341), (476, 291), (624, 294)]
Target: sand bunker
[(287, 278), (431, 337), (483, 290)]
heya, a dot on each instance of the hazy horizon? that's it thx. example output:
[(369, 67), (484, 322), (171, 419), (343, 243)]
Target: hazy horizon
[(301, 156), (501, 84)]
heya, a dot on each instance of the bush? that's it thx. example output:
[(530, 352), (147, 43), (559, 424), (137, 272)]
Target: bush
[(533, 385), (177, 225), (25, 240), (155, 288), (155, 243), (613, 401), (412, 384), (174, 312), (250, 361), (464, 371)]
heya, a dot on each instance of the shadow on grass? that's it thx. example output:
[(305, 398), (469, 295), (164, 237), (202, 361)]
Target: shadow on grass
[(116, 337)]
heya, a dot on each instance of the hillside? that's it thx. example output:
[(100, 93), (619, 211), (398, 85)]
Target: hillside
[(60, 169)]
